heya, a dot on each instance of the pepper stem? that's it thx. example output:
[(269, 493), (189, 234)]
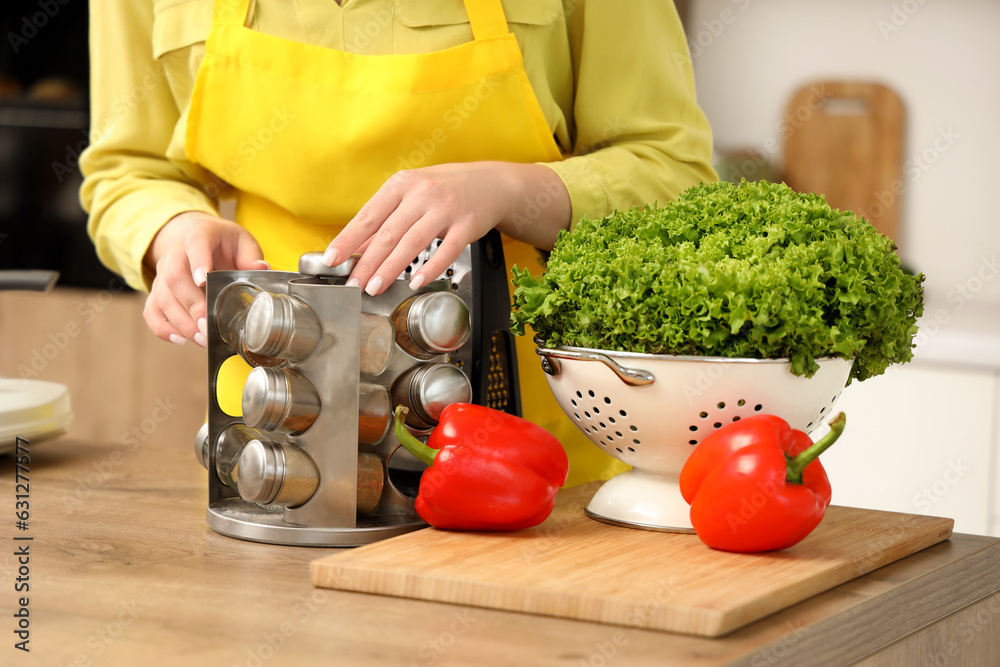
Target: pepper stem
[(423, 453), (798, 464)]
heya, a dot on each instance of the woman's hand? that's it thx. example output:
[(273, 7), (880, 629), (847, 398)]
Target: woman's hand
[(457, 203), (181, 255)]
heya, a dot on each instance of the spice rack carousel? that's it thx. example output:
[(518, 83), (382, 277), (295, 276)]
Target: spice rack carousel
[(307, 455)]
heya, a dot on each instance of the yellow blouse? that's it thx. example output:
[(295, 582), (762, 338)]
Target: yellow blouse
[(613, 78)]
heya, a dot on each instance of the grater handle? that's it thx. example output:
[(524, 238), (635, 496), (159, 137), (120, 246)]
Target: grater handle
[(633, 377)]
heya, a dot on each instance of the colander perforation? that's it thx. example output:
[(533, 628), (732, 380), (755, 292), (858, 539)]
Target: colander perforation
[(823, 412), (601, 422), (715, 417)]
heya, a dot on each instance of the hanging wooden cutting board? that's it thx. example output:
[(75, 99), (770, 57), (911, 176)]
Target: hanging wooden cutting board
[(844, 140), (574, 567)]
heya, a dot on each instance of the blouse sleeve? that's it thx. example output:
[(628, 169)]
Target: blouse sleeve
[(640, 134), (130, 188)]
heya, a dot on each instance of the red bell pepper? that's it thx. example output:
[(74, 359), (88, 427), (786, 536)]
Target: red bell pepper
[(488, 470), (756, 484)]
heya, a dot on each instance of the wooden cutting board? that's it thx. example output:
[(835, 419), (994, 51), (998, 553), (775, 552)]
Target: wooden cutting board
[(574, 567), (844, 140)]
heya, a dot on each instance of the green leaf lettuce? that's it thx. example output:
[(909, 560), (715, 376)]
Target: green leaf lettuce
[(731, 270)]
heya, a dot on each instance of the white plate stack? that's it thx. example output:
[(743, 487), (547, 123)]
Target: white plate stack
[(32, 410)]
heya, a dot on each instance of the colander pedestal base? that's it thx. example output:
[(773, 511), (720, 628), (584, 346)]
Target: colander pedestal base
[(637, 499)]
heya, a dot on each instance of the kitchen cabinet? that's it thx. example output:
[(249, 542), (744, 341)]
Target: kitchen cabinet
[(44, 127)]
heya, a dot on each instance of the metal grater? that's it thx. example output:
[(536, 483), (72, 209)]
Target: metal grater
[(498, 390)]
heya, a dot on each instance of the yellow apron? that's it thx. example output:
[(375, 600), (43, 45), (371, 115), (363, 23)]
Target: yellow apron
[(307, 134)]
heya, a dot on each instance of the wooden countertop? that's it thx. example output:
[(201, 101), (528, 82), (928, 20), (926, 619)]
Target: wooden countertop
[(124, 571)]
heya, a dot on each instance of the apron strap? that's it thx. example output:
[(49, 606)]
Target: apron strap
[(487, 18), (231, 12)]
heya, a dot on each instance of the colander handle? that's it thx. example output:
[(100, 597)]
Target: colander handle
[(633, 377)]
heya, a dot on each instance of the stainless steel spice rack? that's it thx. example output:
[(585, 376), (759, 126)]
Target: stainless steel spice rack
[(310, 457)]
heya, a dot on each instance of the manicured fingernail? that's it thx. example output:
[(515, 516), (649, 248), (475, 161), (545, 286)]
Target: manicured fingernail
[(177, 340), (200, 276), (203, 326), (374, 285), (265, 266), (201, 339), (331, 257), (417, 282), (353, 282)]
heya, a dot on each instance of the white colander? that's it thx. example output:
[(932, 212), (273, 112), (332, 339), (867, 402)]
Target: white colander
[(651, 410)]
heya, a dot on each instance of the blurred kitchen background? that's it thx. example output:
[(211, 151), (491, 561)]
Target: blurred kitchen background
[(44, 126), (888, 106), (88, 333)]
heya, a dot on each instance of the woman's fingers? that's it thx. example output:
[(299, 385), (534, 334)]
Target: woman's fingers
[(168, 319), (402, 237), (183, 252), (157, 321), (458, 203), (176, 307), (249, 256), (200, 250), (177, 279), (410, 211), (369, 219)]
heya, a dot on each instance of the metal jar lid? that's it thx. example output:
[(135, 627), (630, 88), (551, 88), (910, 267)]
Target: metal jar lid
[(269, 473), (281, 326), (311, 264), (436, 386), (266, 398), (269, 324), (439, 322), (228, 446), (231, 307), (260, 471), (201, 445), (280, 399)]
